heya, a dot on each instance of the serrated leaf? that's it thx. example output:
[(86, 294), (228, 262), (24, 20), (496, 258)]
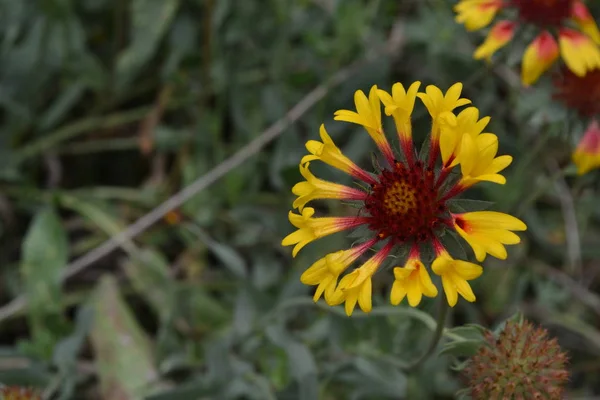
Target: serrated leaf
[(123, 352), (45, 255)]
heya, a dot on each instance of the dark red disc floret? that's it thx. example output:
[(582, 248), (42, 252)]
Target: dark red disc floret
[(405, 204), (544, 13)]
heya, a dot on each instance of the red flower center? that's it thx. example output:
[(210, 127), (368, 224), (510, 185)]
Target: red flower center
[(581, 94), (544, 12), (405, 204)]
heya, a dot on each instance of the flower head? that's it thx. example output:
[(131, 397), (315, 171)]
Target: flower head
[(587, 154), (521, 363), (405, 205), (579, 49)]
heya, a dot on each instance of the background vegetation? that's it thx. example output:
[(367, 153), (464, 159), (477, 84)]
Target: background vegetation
[(108, 108)]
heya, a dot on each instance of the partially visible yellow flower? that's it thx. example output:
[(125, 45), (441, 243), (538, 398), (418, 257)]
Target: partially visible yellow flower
[(587, 154), (400, 106), (538, 57), (578, 51), (488, 231), (310, 229), (453, 127), (476, 14), (412, 281), (455, 275), (325, 271), (327, 152), (478, 161), (356, 287), (314, 188), (500, 34), (368, 114)]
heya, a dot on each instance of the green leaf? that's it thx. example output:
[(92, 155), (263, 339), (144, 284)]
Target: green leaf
[(150, 21), (123, 352), (45, 255), (468, 205)]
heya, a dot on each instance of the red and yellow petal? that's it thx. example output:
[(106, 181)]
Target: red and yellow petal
[(584, 20), (538, 57), (587, 154), (500, 34), (578, 51), (476, 14)]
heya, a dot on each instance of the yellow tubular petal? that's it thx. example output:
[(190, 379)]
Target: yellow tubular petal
[(495, 178), (578, 51)]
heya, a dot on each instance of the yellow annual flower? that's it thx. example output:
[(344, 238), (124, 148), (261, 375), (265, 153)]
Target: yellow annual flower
[(578, 48), (406, 204)]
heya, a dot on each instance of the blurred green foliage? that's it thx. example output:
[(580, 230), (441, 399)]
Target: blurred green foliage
[(108, 107)]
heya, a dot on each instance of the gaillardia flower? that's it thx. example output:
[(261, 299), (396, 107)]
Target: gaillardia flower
[(579, 49), (406, 203), (18, 393)]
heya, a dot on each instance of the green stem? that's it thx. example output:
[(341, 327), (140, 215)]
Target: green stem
[(435, 339)]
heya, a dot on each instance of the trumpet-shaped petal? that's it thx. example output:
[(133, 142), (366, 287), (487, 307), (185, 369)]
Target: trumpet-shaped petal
[(310, 228), (578, 51), (500, 34), (330, 154), (368, 114), (453, 127), (455, 275), (587, 154), (476, 14), (325, 272), (315, 188), (488, 231), (584, 20), (538, 57), (478, 161), (412, 281), (356, 287), (438, 103), (400, 106)]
